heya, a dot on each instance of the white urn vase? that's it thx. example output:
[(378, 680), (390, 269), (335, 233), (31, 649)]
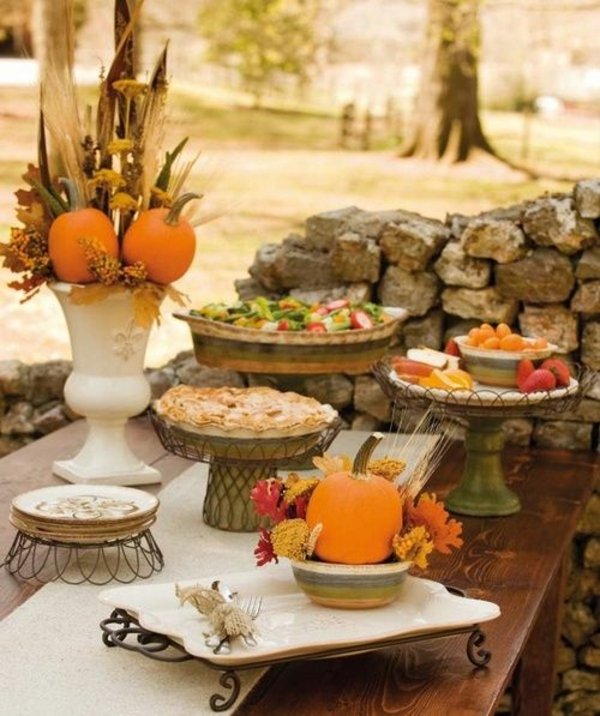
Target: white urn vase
[(107, 386)]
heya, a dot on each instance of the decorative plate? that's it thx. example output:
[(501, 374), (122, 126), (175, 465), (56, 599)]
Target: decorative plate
[(290, 625), (85, 504), (484, 394), (289, 352)]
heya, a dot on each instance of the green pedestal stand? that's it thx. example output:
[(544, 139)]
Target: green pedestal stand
[(483, 491)]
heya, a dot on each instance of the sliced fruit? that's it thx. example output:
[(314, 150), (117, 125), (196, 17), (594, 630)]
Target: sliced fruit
[(460, 376), (441, 379), (560, 370), (524, 370), (540, 379), (405, 366), (436, 359)]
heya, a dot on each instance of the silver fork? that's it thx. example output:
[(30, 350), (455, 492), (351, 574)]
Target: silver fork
[(252, 606)]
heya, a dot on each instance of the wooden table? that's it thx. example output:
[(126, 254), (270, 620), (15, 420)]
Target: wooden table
[(517, 562)]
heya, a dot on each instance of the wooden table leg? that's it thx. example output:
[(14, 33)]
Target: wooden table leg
[(534, 678)]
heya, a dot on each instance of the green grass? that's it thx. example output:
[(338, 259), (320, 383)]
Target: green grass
[(271, 168)]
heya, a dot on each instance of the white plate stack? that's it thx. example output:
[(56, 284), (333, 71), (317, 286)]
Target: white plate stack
[(83, 514)]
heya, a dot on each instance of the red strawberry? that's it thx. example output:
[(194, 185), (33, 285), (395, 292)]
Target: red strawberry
[(524, 370), (540, 379), (560, 370), (452, 348)]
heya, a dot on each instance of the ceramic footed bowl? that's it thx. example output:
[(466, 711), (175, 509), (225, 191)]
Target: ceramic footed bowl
[(350, 586), (497, 367)]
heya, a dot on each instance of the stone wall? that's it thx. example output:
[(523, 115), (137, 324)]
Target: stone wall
[(535, 265)]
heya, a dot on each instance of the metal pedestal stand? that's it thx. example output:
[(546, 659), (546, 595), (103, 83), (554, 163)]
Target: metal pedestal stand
[(120, 560), (235, 466), (483, 491)]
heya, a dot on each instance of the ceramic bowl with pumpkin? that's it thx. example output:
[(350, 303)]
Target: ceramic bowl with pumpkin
[(352, 535)]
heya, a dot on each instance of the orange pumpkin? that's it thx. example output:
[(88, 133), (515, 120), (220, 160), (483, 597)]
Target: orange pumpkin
[(64, 242), (360, 513), (162, 241)]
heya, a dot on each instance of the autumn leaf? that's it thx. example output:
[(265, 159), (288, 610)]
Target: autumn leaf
[(330, 465), (33, 215), (146, 305), (432, 515), (181, 299), (92, 293)]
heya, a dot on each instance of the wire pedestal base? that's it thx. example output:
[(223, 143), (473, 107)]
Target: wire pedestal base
[(123, 630), (121, 560), (236, 465)]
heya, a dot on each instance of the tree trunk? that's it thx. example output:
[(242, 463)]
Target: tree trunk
[(447, 113)]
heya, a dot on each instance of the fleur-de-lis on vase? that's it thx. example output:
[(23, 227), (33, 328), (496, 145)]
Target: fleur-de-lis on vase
[(128, 342)]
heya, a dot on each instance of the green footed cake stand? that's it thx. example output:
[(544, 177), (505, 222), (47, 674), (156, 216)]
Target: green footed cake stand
[(483, 491)]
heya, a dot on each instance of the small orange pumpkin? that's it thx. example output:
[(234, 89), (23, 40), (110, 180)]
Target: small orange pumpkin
[(162, 241), (64, 242), (360, 513)]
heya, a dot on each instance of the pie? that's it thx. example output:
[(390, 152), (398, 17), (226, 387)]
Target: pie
[(243, 412)]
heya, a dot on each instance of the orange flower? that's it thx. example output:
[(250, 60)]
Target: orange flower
[(430, 513)]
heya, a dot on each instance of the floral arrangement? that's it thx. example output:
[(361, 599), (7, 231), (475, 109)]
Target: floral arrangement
[(111, 219), (378, 531)]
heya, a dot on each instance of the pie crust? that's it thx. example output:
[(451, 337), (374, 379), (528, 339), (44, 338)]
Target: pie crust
[(243, 412)]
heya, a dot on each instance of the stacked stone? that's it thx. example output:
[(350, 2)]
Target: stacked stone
[(535, 265)]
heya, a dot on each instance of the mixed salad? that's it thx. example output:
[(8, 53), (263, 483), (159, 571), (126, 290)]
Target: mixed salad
[(290, 314)]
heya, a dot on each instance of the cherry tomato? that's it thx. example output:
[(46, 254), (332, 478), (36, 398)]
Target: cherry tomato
[(361, 319), (316, 328)]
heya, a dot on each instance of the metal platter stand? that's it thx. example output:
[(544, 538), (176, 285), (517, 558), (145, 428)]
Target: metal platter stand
[(483, 491), (123, 630)]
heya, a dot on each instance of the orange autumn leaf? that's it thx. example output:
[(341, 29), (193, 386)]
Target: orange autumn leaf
[(430, 513)]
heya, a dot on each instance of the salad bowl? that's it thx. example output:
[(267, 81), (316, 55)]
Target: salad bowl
[(259, 350)]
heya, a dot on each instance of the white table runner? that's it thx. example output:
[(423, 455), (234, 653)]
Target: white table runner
[(53, 659)]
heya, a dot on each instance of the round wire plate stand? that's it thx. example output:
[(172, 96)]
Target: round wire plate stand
[(42, 560), (483, 491), (236, 465)]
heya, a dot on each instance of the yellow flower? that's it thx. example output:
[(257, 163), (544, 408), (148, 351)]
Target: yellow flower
[(130, 88), (386, 467), (296, 486), (107, 177), (123, 202), (414, 546), (290, 539), (118, 146)]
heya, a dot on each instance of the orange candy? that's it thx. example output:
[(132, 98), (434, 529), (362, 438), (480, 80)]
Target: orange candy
[(491, 343), (503, 330), (539, 343), (513, 342)]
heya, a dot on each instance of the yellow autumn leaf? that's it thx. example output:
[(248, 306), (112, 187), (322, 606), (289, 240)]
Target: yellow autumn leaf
[(329, 464), (146, 305), (32, 216), (93, 292), (181, 299)]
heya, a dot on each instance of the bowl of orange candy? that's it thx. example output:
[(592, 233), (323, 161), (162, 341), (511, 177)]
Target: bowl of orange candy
[(491, 355)]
